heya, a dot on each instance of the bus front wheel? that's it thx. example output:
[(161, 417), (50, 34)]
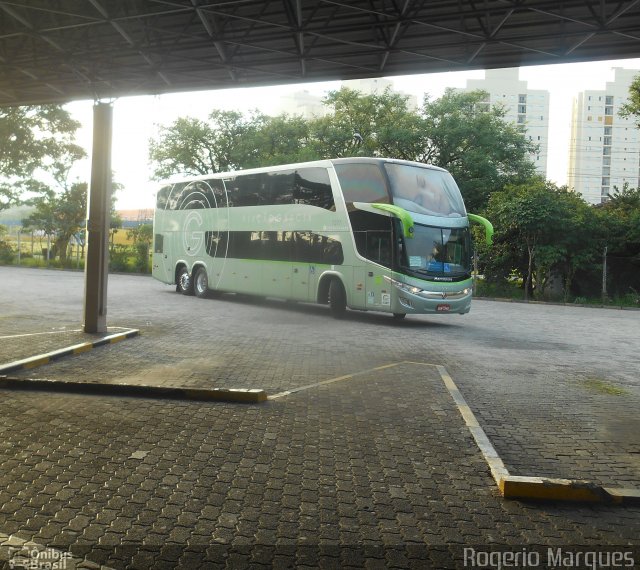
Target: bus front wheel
[(337, 298), (399, 316), (201, 283), (184, 284)]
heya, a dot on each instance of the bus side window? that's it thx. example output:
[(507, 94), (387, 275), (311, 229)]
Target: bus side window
[(231, 191), (216, 243), (198, 195), (173, 199), (313, 188), (379, 247), (217, 192), (332, 254), (162, 197), (158, 243), (373, 236), (251, 190), (280, 187)]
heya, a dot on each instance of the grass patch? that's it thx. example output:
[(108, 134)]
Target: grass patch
[(603, 387)]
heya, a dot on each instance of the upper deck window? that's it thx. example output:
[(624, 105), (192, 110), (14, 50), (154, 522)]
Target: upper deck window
[(362, 183), (309, 186), (425, 190)]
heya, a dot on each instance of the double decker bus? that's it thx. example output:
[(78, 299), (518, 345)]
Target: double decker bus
[(368, 234)]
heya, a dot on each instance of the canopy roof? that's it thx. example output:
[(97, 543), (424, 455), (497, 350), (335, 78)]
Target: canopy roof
[(61, 50)]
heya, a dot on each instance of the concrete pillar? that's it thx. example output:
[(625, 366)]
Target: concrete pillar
[(99, 208)]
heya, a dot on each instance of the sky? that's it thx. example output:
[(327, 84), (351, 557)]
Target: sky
[(137, 119)]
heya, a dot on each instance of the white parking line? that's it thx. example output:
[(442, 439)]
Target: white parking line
[(54, 332)]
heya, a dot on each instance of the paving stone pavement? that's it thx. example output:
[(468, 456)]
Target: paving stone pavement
[(380, 464)]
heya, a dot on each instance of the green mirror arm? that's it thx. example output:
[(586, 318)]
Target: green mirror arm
[(401, 214), (488, 226)]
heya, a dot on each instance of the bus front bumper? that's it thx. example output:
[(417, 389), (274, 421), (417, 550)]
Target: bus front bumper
[(453, 298)]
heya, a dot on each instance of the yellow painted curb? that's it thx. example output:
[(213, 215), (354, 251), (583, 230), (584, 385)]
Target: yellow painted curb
[(249, 395), (35, 362), (510, 486), (533, 488), (40, 359), (541, 488)]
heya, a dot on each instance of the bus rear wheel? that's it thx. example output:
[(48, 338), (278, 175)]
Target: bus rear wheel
[(184, 283), (399, 316), (337, 298), (201, 283)]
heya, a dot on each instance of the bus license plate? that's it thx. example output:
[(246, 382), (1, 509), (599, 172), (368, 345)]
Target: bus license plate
[(443, 308)]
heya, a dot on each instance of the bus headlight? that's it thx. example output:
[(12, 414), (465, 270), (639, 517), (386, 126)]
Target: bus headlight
[(447, 294), (403, 286)]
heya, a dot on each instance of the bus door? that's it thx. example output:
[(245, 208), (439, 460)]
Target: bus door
[(380, 251), (162, 261), (301, 270), (301, 274)]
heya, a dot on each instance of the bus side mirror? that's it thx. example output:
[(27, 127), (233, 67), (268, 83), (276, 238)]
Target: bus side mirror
[(488, 227), (402, 214)]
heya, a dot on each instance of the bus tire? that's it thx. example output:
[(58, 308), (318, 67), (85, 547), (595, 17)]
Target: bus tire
[(337, 298), (399, 316), (201, 283), (184, 283)]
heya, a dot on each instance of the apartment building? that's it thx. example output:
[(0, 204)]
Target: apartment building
[(309, 105), (604, 151), (526, 107), (302, 103)]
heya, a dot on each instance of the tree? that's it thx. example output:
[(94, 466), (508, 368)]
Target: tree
[(228, 141), (6, 251), (632, 106), (580, 240), (620, 220), (457, 132), (282, 140), (32, 138), (142, 237), (367, 125), (191, 147), (482, 151), (60, 216), (536, 229)]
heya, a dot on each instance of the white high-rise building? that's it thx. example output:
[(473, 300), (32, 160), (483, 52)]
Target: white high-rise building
[(302, 103), (310, 106), (605, 148), (523, 106), (377, 86)]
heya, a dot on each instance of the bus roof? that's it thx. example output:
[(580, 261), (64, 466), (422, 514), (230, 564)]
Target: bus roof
[(315, 163)]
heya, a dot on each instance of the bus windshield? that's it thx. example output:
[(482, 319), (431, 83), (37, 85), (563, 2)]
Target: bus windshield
[(425, 190), (438, 252)]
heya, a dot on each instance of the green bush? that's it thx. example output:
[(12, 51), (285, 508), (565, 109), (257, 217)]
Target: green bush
[(7, 255), (501, 289), (119, 258)]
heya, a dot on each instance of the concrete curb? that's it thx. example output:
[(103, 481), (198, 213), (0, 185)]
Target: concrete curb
[(40, 359), (542, 488), (555, 304), (139, 390), (207, 395)]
